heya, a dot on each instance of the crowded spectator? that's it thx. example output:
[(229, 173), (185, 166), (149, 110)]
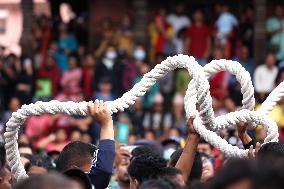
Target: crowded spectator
[(274, 27), (88, 75), (48, 78), (178, 20), (246, 31), (161, 36), (70, 81), (225, 24), (109, 67), (132, 70), (265, 75), (154, 131), (67, 45), (198, 40)]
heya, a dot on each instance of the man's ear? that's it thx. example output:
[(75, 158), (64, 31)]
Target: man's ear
[(136, 183)]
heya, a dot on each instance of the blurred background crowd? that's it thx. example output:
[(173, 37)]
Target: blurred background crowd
[(63, 66)]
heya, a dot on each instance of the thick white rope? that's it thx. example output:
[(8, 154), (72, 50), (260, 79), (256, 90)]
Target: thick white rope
[(200, 96)]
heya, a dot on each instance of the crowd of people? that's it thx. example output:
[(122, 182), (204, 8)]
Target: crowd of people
[(152, 140)]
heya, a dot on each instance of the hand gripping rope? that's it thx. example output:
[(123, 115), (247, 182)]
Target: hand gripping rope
[(197, 98)]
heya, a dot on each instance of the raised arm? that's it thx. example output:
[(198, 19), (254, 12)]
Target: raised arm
[(102, 167), (186, 159)]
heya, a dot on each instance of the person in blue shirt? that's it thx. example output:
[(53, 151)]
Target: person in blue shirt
[(96, 162)]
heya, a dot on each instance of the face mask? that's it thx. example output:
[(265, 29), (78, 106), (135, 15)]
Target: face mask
[(139, 55), (111, 55)]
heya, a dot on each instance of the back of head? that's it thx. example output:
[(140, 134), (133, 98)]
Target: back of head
[(271, 149), (75, 154), (168, 172), (196, 170), (50, 181), (145, 166), (234, 171), (146, 149), (158, 184), (174, 157), (269, 173), (173, 174)]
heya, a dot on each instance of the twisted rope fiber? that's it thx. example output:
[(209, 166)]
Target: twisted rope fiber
[(198, 93)]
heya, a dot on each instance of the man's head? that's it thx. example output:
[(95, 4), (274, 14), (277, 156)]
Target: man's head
[(14, 104), (236, 173), (270, 60), (279, 11), (173, 174), (271, 149), (196, 170), (50, 181), (146, 149), (207, 167), (198, 16), (25, 148), (76, 155), (158, 184), (144, 167), (205, 147)]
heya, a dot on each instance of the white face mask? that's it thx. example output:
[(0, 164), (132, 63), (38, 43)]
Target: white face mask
[(139, 54), (111, 55)]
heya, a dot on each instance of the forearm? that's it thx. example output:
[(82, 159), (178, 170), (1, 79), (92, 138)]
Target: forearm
[(187, 157), (107, 131), (247, 140)]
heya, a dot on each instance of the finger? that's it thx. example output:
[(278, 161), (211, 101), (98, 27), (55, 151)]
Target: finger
[(101, 103), (104, 106), (97, 104), (250, 153), (257, 147), (91, 107), (190, 121)]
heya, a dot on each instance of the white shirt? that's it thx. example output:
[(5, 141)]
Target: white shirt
[(226, 22), (264, 78), (178, 22)]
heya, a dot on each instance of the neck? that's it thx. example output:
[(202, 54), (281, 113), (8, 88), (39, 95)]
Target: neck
[(123, 185), (269, 67)]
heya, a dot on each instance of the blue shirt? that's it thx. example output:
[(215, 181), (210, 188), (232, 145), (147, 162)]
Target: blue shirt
[(102, 167)]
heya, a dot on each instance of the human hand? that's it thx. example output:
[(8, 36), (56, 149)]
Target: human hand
[(98, 110), (52, 137), (242, 133), (190, 127), (252, 153), (242, 129)]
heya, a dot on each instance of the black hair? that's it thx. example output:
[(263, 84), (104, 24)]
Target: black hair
[(39, 161), (174, 157), (75, 153), (169, 172), (158, 184), (196, 170), (146, 166), (202, 141), (269, 173), (54, 181), (271, 149), (24, 145), (2, 156), (146, 149), (233, 171)]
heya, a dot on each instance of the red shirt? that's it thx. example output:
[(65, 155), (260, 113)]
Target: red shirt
[(87, 81), (198, 36)]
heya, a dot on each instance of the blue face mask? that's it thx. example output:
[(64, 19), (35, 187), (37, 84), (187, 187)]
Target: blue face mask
[(139, 55)]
